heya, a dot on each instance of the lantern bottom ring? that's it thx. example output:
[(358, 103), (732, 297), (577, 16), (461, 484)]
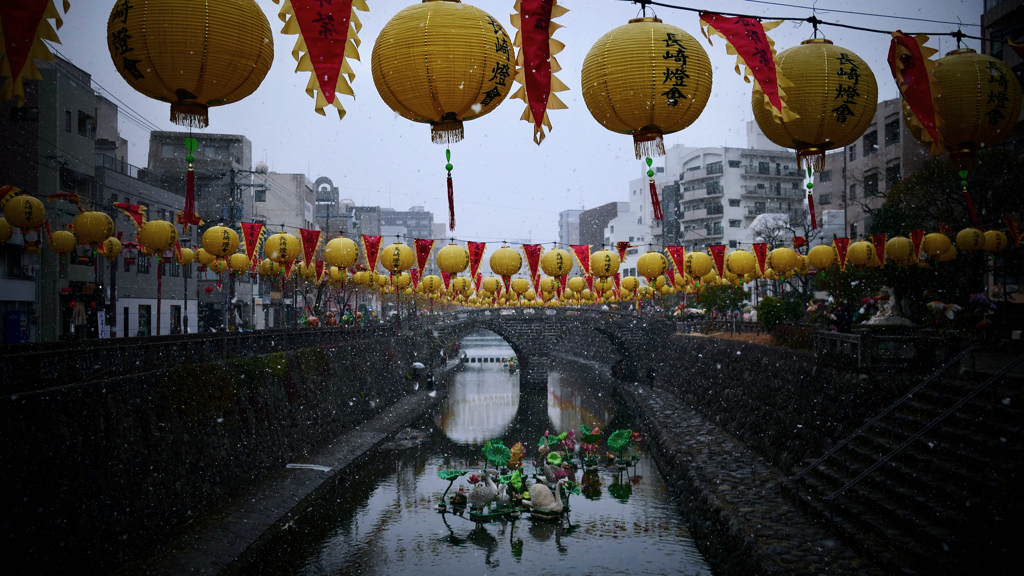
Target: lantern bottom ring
[(447, 131), (190, 114)]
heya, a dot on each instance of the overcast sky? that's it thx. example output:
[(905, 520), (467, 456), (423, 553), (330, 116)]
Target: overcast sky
[(505, 185)]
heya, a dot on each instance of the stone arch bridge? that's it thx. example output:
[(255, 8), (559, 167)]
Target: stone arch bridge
[(534, 333)]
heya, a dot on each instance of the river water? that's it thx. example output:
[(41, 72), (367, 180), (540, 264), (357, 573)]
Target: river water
[(383, 518)]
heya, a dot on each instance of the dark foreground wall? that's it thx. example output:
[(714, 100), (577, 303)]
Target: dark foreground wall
[(776, 400), (93, 474)]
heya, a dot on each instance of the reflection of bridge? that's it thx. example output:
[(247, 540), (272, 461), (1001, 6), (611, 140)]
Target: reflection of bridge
[(533, 333)]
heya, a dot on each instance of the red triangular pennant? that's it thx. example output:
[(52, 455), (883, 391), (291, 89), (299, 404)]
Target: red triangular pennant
[(476, 254), (324, 27), (718, 255), (310, 239), (423, 250)]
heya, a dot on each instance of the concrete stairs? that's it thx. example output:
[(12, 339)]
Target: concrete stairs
[(950, 502)]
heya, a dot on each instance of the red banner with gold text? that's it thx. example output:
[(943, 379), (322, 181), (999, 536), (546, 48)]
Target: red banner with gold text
[(718, 255), (476, 255), (678, 256), (760, 250), (371, 248), (310, 239), (423, 249)]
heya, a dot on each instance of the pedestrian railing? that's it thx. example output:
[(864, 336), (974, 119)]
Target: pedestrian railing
[(716, 326), (865, 350)]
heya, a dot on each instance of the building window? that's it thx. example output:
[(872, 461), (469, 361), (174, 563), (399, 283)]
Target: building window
[(853, 230), (167, 150), (732, 244), (734, 223), (871, 185), (892, 175), (853, 191), (734, 202), (764, 168), (24, 113), (67, 120), (113, 198), (892, 132), (826, 176), (870, 143), (86, 125), (853, 153), (714, 188), (826, 199), (142, 265), (735, 163), (717, 229), (261, 195), (714, 168), (173, 269), (210, 152)]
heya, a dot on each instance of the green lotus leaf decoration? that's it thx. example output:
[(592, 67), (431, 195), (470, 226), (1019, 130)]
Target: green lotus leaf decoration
[(619, 440), (588, 435), (560, 437), (620, 492), (497, 454), (450, 475), (554, 459), (515, 480), (572, 488)]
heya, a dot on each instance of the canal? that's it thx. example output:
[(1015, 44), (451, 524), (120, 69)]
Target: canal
[(383, 519)]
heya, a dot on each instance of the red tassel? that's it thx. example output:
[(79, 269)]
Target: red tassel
[(451, 203), (970, 206), (810, 206), (654, 200)]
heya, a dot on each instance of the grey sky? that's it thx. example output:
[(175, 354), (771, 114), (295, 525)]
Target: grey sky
[(505, 185)]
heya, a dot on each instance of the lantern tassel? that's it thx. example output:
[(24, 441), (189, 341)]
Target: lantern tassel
[(648, 144), (970, 206), (655, 202), (811, 157), (451, 203), (810, 207), (190, 115)]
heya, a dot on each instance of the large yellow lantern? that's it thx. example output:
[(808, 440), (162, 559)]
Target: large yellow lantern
[(63, 242), (863, 254), (282, 248), (92, 227), (935, 244), (443, 62), (505, 261), (6, 231), (822, 257), (341, 252), (976, 101), (556, 262), (396, 258), (158, 235), (970, 239), (238, 263), (900, 250), (834, 95), (204, 258), (698, 264), (740, 262), (646, 79), (604, 263), (453, 259), (24, 212), (110, 248), (220, 241), (191, 54), (651, 265), (995, 241), (783, 260)]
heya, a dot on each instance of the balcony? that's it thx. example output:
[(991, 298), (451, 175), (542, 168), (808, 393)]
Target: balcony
[(796, 194), (754, 211), (752, 170), (121, 167), (698, 174)]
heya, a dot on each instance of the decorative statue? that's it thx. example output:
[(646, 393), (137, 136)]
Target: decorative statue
[(486, 492), (544, 500)]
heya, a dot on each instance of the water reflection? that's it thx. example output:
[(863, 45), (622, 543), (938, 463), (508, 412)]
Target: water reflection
[(383, 519)]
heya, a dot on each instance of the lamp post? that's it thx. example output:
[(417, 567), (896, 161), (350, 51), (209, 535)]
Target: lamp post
[(185, 242)]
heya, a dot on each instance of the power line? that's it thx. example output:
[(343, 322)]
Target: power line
[(861, 13)]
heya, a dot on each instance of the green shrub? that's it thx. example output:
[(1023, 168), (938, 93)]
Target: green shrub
[(774, 311)]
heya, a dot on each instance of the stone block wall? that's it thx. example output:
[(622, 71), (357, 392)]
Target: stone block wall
[(776, 400), (95, 473)]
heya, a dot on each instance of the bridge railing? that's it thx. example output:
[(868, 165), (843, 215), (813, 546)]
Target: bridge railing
[(460, 317), (38, 366), (865, 350), (712, 326)]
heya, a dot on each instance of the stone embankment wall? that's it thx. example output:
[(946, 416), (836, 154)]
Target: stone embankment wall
[(777, 401), (95, 473)]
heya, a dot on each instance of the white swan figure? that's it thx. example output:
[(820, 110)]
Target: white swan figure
[(543, 500), (486, 492)]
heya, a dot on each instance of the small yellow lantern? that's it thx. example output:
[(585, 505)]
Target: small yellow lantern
[(492, 284), (63, 242), (520, 285), (577, 284), (92, 227), (239, 263), (218, 266), (110, 248), (341, 252), (822, 257), (556, 262), (948, 254), (158, 235), (604, 264), (783, 260), (994, 241), (24, 212), (863, 254), (651, 265), (204, 258), (935, 244), (282, 248), (220, 241), (900, 250), (185, 256), (970, 239), (505, 261), (740, 262), (396, 258), (6, 231), (453, 259)]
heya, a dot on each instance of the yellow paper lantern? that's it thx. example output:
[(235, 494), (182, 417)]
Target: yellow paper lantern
[(24, 212), (803, 265), (576, 284), (110, 248), (548, 285), (158, 235), (63, 242), (994, 241), (184, 257), (282, 248), (698, 264), (397, 258), (341, 252), (492, 284), (520, 285), (453, 259), (900, 250), (442, 63), (603, 285), (863, 254), (379, 279), (651, 265), (239, 263), (530, 295), (833, 93), (193, 56), (6, 231), (403, 280), (335, 275), (970, 239), (630, 283), (556, 262), (783, 260), (587, 294), (460, 284), (358, 278), (646, 79), (218, 266), (740, 262), (604, 263), (505, 261), (220, 241), (976, 100), (430, 284), (935, 244), (204, 258), (948, 254), (93, 227)]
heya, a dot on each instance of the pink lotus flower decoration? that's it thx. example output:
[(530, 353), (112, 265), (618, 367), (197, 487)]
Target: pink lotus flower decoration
[(474, 479)]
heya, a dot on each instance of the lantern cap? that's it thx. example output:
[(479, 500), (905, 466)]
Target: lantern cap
[(816, 41), (646, 19), (961, 51)]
